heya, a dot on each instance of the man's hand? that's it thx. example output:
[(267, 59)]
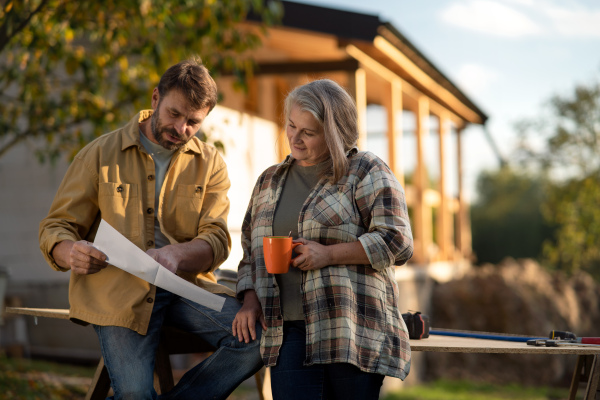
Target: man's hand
[(81, 257), (168, 256), (195, 256), (244, 323)]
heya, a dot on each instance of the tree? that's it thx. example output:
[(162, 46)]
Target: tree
[(573, 208), (72, 70), (507, 218), (565, 144)]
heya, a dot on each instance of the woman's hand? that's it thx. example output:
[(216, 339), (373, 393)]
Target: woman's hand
[(311, 255), (244, 323)]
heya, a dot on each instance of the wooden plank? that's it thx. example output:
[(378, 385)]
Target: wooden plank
[(452, 344), (100, 383), (577, 376), (360, 95), (427, 81), (592, 384), (301, 67), (40, 312), (378, 69)]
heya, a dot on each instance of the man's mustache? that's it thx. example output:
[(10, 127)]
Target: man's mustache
[(172, 132)]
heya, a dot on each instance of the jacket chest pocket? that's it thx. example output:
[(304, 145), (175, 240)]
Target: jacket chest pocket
[(187, 211), (120, 206), (334, 207)]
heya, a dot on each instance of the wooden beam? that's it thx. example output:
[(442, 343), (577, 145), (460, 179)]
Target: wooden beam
[(281, 90), (393, 105), (463, 229), (422, 212), (378, 69), (444, 236), (358, 88), (294, 67), (424, 79)]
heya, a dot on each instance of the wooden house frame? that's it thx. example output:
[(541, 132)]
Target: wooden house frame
[(377, 65)]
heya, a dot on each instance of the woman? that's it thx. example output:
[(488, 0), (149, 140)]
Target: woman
[(331, 326)]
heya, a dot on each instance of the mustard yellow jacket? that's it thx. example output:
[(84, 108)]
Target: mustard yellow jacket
[(112, 178)]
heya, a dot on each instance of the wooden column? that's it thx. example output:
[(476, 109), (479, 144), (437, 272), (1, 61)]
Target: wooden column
[(359, 90), (281, 91), (422, 212), (444, 223), (463, 228), (393, 104)]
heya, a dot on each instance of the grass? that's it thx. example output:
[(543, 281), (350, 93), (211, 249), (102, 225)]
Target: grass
[(39, 380), (461, 390)]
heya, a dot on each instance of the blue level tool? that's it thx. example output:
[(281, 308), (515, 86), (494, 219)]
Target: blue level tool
[(489, 336)]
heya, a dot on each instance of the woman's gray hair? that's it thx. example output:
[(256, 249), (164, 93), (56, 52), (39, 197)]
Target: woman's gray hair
[(336, 111)]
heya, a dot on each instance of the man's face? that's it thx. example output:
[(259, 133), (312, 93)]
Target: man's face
[(174, 122)]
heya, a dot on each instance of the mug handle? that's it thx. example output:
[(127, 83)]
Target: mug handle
[(294, 245)]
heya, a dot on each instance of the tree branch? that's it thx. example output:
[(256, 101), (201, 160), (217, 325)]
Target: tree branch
[(5, 37)]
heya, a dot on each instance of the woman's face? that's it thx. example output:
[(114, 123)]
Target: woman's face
[(306, 137)]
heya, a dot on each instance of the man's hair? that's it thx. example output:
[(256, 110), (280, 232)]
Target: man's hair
[(193, 80), (336, 111)]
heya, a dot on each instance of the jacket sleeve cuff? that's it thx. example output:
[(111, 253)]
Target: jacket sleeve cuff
[(244, 283), (48, 245), (220, 244), (378, 253)]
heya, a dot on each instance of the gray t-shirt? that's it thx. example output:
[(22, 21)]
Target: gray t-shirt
[(298, 184), (162, 159)]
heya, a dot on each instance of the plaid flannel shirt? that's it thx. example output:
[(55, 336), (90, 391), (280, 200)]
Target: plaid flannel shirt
[(350, 311)]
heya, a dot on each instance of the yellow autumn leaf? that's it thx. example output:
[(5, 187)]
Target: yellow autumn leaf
[(153, 76), (8, 7), (69, 35), (80, 52), (123, 63), (101, 60)]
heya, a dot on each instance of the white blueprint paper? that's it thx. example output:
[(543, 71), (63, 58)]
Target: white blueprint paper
[(127, 256)]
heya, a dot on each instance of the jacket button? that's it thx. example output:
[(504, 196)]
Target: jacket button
[(150, 243), (119, 189), (150, 177), (150, 210), (198, 189), (150, 300)]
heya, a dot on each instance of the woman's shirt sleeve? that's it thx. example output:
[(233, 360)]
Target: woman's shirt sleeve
[(382, 207), (245, 269)]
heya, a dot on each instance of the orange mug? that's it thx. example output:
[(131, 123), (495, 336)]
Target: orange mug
[(278, 253)]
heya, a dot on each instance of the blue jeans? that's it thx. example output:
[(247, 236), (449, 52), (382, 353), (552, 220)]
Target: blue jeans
[(129, 357), (291, 380)]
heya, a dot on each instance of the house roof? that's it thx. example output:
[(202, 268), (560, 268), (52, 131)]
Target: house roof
[(350, 26)]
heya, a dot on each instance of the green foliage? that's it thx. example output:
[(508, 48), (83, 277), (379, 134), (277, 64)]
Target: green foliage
[(507, 218), (565, 140), (565, 144), (26, 379), (460, 390), (573, 208), (72, 70)]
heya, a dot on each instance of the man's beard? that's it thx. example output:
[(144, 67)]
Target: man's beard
[(157, 131)]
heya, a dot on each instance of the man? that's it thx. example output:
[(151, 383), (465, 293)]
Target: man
[(166, 191)]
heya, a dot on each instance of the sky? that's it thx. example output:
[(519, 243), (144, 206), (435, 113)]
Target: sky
[(509, 56)]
